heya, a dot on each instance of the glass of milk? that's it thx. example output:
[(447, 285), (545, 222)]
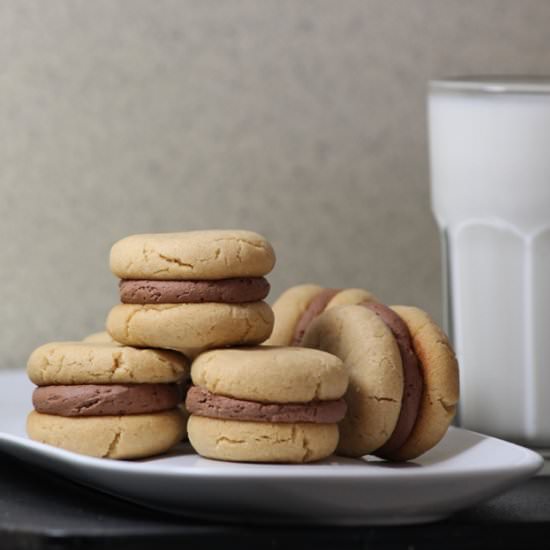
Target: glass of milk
[(489, 144)]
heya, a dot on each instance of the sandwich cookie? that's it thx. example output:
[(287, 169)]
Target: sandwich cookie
[(403, 373), (192, 291), (296, 308), (266, 404), (107, 400)]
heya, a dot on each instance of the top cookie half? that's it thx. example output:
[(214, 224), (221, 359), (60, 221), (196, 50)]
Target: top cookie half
[(193, 255)]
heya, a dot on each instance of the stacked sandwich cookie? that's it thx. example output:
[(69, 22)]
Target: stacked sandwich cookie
[(403, 372), (266, 404), (296, 308), (192, 291), (106, 400), (337, 370)]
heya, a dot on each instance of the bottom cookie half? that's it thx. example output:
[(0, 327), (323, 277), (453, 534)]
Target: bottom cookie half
[(129, 436), (241, 441)]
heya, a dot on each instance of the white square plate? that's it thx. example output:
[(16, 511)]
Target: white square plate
[(462, 470)]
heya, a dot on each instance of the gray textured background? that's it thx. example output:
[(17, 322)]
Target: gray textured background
[(303, 120)]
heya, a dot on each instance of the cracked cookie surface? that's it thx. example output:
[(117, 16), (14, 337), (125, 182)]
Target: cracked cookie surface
[(120, 437), (213, 254), (190, 327), (261, 441), (271, 374), (96, 363)]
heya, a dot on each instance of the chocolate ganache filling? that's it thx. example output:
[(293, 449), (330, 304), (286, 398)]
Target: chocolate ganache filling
[(413, 382), (106, 400), (201, 402), (230, 291), (314, 308)]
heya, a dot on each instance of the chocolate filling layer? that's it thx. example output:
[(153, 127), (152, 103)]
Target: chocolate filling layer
[(413, 382), (315, 308), (104, 400), (201, 402), (238, 290)]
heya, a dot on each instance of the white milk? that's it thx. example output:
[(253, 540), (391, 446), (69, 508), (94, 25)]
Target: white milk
[(490, 164)]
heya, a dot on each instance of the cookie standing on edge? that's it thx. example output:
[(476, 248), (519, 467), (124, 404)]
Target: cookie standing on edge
[(266, 404), (440, 375), (296, 308), (403, 373), (192, 291), (106, 400)]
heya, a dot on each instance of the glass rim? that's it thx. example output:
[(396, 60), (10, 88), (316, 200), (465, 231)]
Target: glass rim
[(492, 84)]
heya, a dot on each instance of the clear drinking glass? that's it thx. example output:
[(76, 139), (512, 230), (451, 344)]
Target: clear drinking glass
[(489, 144)]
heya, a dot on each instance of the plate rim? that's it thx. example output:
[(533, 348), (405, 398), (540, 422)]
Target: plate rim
[(530, 462), (478, 478)]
